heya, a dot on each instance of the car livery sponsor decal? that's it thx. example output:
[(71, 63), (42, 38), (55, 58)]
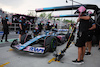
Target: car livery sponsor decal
[(35, 49)]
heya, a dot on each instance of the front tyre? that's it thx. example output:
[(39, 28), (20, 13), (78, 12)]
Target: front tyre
[(50, 44)]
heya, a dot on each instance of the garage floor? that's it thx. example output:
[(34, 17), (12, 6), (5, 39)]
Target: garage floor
[(12, 58)]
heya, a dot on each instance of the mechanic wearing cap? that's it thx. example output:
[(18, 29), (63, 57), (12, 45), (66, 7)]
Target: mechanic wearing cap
[(92, 26), (82, 34)]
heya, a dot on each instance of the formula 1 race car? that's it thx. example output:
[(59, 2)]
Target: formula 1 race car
[(41, 43)]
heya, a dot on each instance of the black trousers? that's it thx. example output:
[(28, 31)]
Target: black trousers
[(5, 36)]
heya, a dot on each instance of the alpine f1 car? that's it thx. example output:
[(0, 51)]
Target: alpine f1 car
[(42, 43)]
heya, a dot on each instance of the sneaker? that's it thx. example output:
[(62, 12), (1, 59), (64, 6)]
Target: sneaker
[(6, 41), (1, 40), (98, 48), (85, 52), (76, 62), (88, 53), (82, 61)]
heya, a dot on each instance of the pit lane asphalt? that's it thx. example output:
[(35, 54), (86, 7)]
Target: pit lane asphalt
[(21, 59)]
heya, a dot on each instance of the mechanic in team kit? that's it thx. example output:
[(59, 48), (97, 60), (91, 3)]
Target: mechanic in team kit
[(5, 28), (92, 26), (40, 26), (36, 31), (97, 30), (48, 27), (82, 35), (22, 27)]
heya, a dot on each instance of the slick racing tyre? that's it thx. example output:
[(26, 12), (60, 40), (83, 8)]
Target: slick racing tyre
[(50, 44), (25, 38)]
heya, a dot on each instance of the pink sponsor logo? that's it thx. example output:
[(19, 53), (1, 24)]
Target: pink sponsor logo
[(39, 9)]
